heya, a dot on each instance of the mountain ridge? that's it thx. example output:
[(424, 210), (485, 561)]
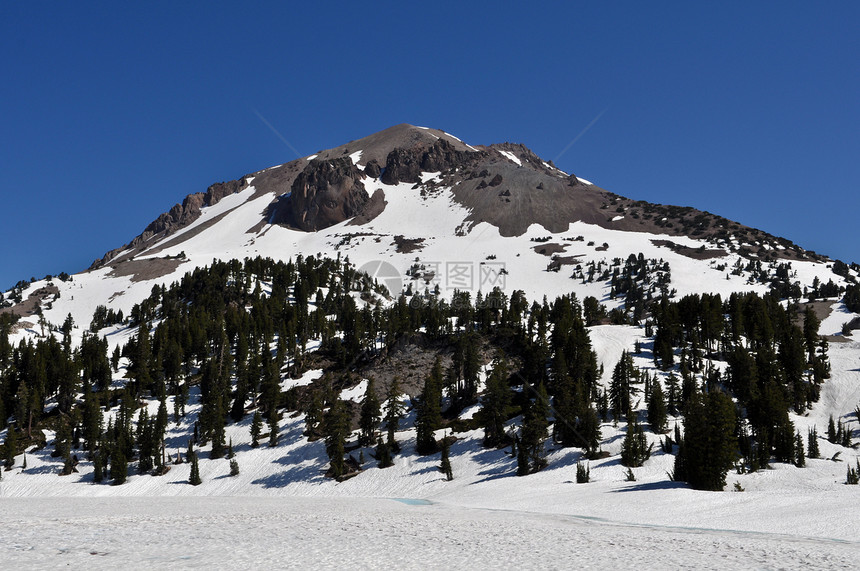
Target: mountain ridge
[(504, 184)]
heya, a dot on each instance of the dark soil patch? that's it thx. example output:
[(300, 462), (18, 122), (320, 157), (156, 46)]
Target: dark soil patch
[(149, 269), (408, 245), (29, 306), (700, 253), (559, 261), (550, 249)]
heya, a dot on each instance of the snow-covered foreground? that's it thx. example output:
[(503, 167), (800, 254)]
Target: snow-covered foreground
[(373, 533)]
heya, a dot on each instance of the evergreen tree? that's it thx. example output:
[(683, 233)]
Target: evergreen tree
[(523, 467), (118, 465), (393, 414), (534, 431), (369, 416), (336, 430), (256, 428), (634, 449), (234, 467), (709, 445), (428, 415), (98, 467), (583, 473), (445, 465), (10, 447), (799, 454), (383, 454), (620, 387), (273, 430), (673, 397), (657, 408), (194, 477), (812, 443)]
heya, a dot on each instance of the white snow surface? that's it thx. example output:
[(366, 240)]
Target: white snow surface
[(329, 533), (512, 157)]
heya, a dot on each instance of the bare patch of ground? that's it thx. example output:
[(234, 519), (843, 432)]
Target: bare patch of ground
[(559, 261), (408, 245), (550, 249), (700, 253), (30, 305), (147, 269)]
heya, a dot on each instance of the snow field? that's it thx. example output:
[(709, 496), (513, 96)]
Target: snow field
[(372, 533)]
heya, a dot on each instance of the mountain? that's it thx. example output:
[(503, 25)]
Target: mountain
[(410, 195), (505, 185), (541, 296)]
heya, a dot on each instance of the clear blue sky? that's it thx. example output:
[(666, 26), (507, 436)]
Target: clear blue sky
[(111, 113)]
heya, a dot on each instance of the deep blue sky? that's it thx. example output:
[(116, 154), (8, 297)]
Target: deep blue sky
[(110, 115)]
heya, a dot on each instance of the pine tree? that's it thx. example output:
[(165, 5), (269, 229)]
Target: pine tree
[(393, 413), (634, 449), (118, 465), (853, 476), (709, 446), (10, 447), (496, 401), (256, 429), (799, 454), (234, 467), (445, 465), (534, 431), (523, 467), (336, 429), (369, 416), (657, 408), (383, 454), (428, 415), (846, 435), (812, 444), (98, 467), (831, 431), (273, 430), (620, 387), (674, 394), (583, 473), (194, 477)]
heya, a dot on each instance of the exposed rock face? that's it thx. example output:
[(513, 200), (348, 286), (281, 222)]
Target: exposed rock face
[(372, 169), (325, 193), (402, 165), (406, 165)]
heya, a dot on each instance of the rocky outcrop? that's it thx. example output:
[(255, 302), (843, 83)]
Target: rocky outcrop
[(406, 165), (323, 194), (402, 165), (372, 169)]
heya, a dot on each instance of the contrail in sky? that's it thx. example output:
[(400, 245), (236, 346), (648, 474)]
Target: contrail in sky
[(581, 133), (281, 137)]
